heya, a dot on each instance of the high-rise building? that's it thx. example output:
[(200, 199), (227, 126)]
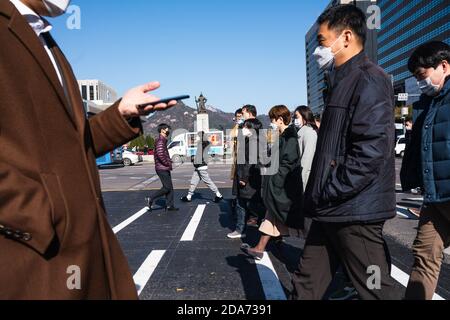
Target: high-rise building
[(315, 76), (405, 25)]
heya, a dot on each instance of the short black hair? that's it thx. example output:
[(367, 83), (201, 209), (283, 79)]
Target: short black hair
[(345, 16), (162, 127), (429, 55), (238, 111), (253, 124), (251, 109)]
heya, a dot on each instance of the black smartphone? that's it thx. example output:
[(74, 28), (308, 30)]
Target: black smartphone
[(165, 100)]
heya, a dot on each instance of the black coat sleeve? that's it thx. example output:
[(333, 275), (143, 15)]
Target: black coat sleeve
[(371, 140), (288, 160), (243, 169)]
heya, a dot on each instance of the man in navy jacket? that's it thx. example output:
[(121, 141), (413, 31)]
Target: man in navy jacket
[(427, 165)]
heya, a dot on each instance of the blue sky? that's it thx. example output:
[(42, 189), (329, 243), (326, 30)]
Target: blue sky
[(234, 51)]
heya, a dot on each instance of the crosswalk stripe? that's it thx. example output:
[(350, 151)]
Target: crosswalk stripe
[(414, 199), (269, 279), (130, 220), (189, 233), (403, 215), (402, 278), (146, 270)]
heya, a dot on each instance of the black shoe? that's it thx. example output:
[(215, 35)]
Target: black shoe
[(172, 209), (218, 199), (149, 202), (186, 199)]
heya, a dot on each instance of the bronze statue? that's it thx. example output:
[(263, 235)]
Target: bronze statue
[(201, 104)]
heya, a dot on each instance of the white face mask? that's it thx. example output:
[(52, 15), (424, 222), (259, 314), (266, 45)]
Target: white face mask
[(246, 132), (429, 88), (325, 56), (298, 123), (274, 126), (56, 8)]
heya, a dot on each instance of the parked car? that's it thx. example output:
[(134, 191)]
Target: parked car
[(400, 146), (130, 158)]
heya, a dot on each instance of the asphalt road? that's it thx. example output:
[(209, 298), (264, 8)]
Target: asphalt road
[(187, 256)]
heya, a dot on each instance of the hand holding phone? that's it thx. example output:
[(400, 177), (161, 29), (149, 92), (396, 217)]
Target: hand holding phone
[(129, 104), (165, 100)]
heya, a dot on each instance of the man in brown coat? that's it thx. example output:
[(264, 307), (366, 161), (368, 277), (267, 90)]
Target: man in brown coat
[(55, 241)]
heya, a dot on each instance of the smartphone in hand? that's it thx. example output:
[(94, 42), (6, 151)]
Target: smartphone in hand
[(165, 100)]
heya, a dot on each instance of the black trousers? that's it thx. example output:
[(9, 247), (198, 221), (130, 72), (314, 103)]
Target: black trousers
[(167, 188), (358, 248)]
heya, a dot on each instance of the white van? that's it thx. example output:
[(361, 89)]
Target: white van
[(184, 146), (399, 130)]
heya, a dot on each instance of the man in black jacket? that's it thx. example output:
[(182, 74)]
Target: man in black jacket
[(351, 190), (201, 170)]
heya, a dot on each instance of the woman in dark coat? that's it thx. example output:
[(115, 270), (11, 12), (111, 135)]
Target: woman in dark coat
[(283, 191)]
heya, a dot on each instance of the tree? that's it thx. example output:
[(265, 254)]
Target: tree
[(150, 141), (143, 142), (139, 142)]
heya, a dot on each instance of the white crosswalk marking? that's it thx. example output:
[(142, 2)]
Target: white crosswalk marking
[(404, 212), (402, 215), (269, 279), (189, 233), (130, 220), (414, 199), (146, 270), (402, 278)]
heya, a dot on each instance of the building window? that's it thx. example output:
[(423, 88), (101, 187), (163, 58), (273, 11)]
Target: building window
[(98, 98), (84, 92), (91, 93)]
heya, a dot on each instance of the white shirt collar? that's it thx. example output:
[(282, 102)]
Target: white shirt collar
[(36, 22)]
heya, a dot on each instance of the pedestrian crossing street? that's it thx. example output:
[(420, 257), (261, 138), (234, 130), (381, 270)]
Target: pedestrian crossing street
[(186, 255)]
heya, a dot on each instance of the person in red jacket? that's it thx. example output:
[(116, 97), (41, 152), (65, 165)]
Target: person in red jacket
[(163, 167)]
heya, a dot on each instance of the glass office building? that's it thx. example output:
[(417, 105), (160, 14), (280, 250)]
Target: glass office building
[(315, 76), (406, 24)]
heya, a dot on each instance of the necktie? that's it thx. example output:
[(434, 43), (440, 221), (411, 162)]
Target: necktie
[(51, 44)]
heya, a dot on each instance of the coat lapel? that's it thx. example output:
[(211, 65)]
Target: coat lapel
[(73, 91), (28, 38)]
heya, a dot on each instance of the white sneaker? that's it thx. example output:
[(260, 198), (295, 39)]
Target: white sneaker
[(236, 235)]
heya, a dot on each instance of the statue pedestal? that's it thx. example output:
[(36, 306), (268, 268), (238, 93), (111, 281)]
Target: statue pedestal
[(202, 123)]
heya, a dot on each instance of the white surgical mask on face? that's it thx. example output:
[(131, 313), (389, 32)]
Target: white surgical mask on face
[(325, 56), (241, 122), (298, 123), (274, 126), (56, 8), (246, 132), (429, 88)]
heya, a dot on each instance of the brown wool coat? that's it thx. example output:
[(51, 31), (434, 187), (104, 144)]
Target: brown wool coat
[(52, 214)]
